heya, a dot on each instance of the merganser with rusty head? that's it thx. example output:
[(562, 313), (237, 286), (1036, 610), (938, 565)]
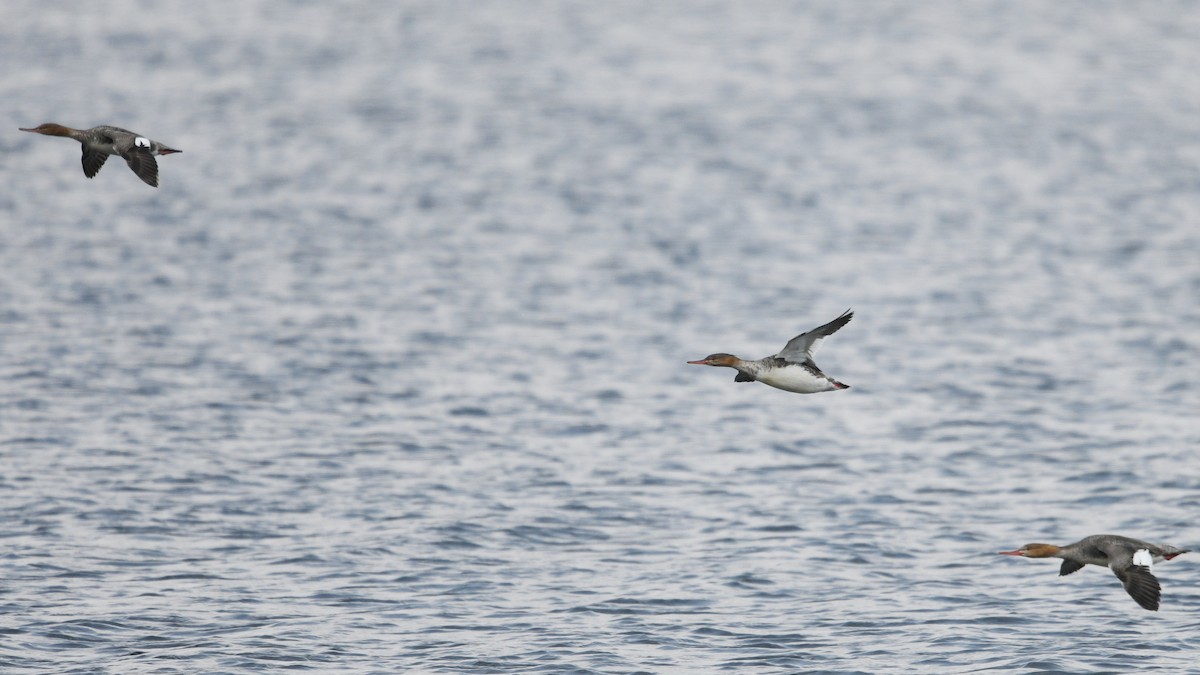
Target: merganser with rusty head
[(792, 369), (1130, 559), (100, 142)]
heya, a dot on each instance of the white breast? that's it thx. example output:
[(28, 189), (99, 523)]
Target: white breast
[(795, 379)]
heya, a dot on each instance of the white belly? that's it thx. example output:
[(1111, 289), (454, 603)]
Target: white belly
[(795, 379)]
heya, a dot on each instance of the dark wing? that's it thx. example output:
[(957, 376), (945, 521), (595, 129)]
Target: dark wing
[(805, 345), (92, 161), (1141, 585), (1069, 567), (143, 164), (742, 377)]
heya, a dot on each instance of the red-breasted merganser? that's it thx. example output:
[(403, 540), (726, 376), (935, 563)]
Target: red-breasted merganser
[(792, 369), (1130, 559), (100, 142)]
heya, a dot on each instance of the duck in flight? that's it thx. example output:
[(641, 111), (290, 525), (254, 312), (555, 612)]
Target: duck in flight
[(792, 369), (100, 142), (1130, 559)]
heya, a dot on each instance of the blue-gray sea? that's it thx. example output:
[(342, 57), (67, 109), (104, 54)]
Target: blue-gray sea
[(389, 374)]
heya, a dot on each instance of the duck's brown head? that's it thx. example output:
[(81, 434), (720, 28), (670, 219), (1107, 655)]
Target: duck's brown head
[(1034, 551), (49, 129), (727, 360)]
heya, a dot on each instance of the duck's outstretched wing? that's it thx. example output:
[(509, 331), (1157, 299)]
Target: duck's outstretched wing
[(802, 347), (92, 162), (143, 164), (1142, 586), (1069, 567), (1135, 575)]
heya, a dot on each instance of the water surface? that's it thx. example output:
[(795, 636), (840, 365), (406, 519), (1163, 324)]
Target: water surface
[(388, 376)]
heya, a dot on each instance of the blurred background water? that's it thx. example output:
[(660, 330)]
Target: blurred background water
[(388, 375)]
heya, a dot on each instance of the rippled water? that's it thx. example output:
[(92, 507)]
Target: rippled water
[(389, 374)]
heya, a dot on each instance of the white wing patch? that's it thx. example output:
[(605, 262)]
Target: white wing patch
[(141, 142), (1142, 557)]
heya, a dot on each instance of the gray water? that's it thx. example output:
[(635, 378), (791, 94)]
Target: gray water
[(388, 375)]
